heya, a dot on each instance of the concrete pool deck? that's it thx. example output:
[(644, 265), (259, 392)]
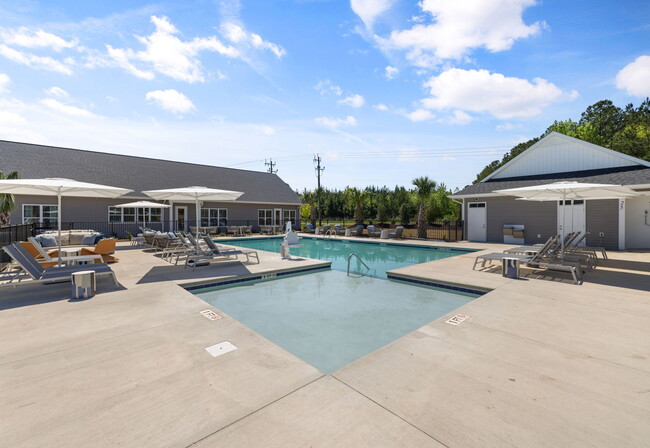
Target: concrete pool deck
[(539, 362)]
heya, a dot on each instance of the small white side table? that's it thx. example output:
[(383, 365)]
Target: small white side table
[(384, 234), (83, 284)]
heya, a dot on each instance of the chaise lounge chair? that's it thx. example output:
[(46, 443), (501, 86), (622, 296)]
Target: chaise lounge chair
[(104, 248), (49, 260), (373, 232), (56, 274), (215, 251), (399, 230)]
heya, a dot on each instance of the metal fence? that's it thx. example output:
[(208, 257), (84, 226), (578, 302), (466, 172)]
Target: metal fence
[(444, 230), (12, 234)]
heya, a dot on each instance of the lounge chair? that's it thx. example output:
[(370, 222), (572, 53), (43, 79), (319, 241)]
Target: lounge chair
[(373, 232), (399, 230), (46, 259), (215, 251), (542, 259), (575, 245), (359, 231), (309, 228), (104, 248), (56, 274)]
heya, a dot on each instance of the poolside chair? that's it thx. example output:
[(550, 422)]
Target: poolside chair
[(183, 246), (46, 259), (399, 230), (339, 229), (575, 245), (359, 231), (541, 259), (104, 248), (56, 274), (373, 232), (309, 228), (216, 251)]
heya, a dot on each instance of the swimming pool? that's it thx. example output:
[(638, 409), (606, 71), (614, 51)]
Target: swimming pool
[(329, 319), (379, 256)]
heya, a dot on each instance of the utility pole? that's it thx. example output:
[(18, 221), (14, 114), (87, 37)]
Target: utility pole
[(319, 170), (270, 164)]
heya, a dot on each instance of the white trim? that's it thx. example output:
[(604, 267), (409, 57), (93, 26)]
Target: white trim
[(621, 224), (573, 140)]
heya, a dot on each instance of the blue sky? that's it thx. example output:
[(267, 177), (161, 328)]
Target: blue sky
[(384, 90)]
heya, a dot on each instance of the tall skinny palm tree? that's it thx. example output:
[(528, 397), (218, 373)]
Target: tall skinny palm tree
[(7, 201), (356, 197), (424, 187)]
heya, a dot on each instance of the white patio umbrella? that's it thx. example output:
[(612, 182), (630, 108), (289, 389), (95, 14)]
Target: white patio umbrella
[(565, 191), (60, 188), (141, 204), (198, 194)]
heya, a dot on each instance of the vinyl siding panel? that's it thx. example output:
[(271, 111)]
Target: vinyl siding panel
[(537, 217), (602, 216)]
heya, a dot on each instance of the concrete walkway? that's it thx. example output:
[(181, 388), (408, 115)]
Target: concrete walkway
[(539, 362)]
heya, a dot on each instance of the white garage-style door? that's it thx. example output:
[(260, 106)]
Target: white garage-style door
[(477, 221)]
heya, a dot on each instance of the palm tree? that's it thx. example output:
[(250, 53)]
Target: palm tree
[(424, 187), (7, 201), (356, 197)]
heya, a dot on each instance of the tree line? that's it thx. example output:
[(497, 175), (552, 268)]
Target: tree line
[(626, 130), (428, 201)]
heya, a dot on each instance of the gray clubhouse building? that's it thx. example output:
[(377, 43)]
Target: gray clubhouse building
[(612, 223), (267, 199)]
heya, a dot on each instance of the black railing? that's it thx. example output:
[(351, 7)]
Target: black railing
[(12, 234), (445, 230), (125, 229)]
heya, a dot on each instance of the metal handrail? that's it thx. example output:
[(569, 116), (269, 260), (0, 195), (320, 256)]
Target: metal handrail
[(359, 258)]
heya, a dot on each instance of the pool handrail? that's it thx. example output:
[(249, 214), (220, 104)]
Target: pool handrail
[(359, 258)]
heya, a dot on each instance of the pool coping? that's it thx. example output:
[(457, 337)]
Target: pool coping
[(212, 283), (459, 287)]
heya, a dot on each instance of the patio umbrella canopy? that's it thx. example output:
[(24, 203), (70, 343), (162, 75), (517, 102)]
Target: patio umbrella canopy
[(197, 194), (569, 191), (60, 188), (141, 204)]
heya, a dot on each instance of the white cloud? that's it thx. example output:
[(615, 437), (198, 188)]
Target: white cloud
[(460, 117), (11, 118), (370, 10), (508, 127), (382, 107), (635, 77), (391, 72), (420, 115), (327, 86), (4, 82), (334, 123), (165, 53), (461, 26), (355, 101), (37, 62), (484, 92), (56, 91), (58, 106), (24, 37), (238, 35), (263, 129), (171, 100)]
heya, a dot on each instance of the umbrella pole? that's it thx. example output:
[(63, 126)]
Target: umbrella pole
[(58, 214), (198, 217), (563, 220)]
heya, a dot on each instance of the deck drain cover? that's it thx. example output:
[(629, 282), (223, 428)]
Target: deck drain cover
[(209, 314), (457, 319), (220, 348)]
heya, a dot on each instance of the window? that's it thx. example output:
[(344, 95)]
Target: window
[(477, 205), (128, 214), (213, 217), (290, 215), (42, 214), (265, 217)]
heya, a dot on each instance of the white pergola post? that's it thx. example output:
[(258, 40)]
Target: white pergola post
[(621, 224)]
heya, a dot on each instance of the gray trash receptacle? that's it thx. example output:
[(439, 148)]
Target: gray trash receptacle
[(83, 284), (510, 267)]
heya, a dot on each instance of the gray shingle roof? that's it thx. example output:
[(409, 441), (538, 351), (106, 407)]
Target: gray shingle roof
[(628, 175), (139, 173)]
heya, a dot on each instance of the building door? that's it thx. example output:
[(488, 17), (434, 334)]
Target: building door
[(477, 221), (277, 217), (180, 217), (574, 218)]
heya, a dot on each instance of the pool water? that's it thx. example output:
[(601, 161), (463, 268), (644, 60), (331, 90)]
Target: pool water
[(380, 257), (329, 319)]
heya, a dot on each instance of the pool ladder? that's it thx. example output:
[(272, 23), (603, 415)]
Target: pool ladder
[(358, 258)]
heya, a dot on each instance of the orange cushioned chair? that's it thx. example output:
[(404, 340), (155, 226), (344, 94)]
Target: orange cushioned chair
[(104, 248), (29, 247)]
